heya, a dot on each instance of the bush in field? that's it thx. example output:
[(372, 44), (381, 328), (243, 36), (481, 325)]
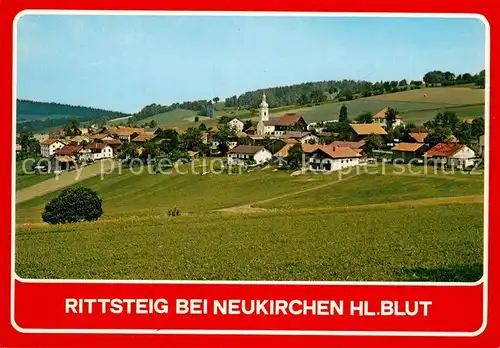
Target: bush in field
[(174, 212), (73, 205)]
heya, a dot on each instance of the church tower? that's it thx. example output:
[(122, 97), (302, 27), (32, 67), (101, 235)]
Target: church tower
[(264, 109), (264, 115)]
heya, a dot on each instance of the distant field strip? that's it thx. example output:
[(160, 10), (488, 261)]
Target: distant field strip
[(61, 181)]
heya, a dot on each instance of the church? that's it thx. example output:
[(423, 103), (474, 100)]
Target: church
[(278, 126)]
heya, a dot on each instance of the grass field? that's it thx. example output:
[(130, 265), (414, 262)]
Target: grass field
[(444, 95), (417, 106), (23, 179), (264, 225)]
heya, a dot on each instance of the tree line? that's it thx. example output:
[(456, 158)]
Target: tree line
[(446, 78), (35, 116)]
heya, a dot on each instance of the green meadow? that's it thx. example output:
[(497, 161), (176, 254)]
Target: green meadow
[(264, 225), (417, 106)]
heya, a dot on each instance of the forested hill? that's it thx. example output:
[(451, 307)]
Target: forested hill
[(36, 116)]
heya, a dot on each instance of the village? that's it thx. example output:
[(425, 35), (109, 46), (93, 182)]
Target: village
[(270, 141)]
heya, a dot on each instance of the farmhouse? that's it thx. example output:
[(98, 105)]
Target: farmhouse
[(406, 152), (67, 156), (144, 137), (302, 137), (379, 118), (236, 124), (79, 139), (122, 133), (49, 146), (114, 143), (278, 126), (97, 151), (68, 150), (244, 154), (251, 130), (363, 130), (100, 137), (331, 158), (451, 154)]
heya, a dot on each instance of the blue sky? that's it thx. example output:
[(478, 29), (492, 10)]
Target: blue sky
[(126, 62)]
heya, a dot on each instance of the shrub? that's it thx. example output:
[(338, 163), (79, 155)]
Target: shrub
[(174, 212), (73, 204)]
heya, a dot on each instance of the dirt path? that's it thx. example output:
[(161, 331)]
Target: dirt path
[(247, 208), (63, 180), (473, 199), (119, 119)]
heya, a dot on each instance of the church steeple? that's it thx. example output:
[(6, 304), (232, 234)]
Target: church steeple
[(264, 116), (264, 104), (264, 109)]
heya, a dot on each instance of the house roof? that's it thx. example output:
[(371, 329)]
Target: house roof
[(350, 144), (144, 137), (272, 122), (444, 150), (241, 134), (328, 134), (407, 147), (98, 136), (368, 128), (381, 113), (112, 141), (77, 138), (251, 128), (338, 152), (258, 137), (95, 146), (294, 135), (289, 141), (289, 119), (49, 141), (237, 119), (125, 132), (469, 120), (418, 137), (283, 152), (121, 130), (308, 148), (246, 149), (68, 150)]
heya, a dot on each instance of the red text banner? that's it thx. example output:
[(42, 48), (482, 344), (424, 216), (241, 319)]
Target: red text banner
[(400, 308)]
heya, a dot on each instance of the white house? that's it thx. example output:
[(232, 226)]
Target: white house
[(331, 158), (242, 154), (49, 146), (236, 124), (97, 151), (481, 145), (451, 154)]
